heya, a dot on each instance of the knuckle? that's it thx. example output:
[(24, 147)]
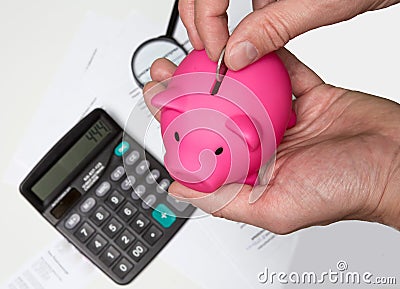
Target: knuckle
[(275, 30)]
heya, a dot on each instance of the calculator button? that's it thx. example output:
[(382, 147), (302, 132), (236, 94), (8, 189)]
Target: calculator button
[(121, 149), (103, 189), (149, 201), (127, 212), (109, 256), (162, 187), (132, 158), (84, 232), (152, 177), (99, 216), (125, 240), (122, 268), (115, 200), (177, 204), (97, 244), (112, 228), (138, 192), (142, 167), (163, 215), (152, 235), (87, 205), (72, 221), (137, 251), (118, 173), (140, 223), (128, 183)]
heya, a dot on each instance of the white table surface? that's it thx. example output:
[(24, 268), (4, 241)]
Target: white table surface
[(361, 54)]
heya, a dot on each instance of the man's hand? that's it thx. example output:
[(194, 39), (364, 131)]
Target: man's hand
[(340, 161), (271, 25)]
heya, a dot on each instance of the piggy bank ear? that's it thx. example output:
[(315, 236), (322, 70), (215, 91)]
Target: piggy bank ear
[(246, 130), (165, 99)]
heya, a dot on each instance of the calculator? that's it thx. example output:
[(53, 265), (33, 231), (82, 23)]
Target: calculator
[(120, 221)]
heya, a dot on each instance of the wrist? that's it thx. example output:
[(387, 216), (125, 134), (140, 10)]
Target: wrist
[(387, 208), (390, 203)]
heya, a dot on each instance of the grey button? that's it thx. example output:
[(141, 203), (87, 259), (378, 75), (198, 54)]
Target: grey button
[(138, 192), (177, 204), (103, 189), (128, 183), (87, 205), (152, 177), (117, 173), (149, 201), (162, 187), (142, 167), (132, 158), (72, 221)]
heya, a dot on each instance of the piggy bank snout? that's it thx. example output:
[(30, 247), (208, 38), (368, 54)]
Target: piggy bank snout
[(200, 159), (199, 167)]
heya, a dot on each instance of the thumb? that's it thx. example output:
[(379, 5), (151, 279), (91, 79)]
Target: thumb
[(270, 28)]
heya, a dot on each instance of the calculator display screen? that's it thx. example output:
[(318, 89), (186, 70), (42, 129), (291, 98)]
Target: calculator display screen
[(71, 159)]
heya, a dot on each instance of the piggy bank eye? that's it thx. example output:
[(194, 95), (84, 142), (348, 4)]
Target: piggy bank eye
[(176, 135), (219, 151)]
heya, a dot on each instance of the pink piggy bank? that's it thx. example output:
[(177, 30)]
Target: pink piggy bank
[(216, 139)]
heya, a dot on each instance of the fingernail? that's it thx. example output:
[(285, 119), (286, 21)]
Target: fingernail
[(209, 54), (242, 54)]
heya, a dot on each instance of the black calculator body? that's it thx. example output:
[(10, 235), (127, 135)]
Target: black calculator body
[(119, 221)]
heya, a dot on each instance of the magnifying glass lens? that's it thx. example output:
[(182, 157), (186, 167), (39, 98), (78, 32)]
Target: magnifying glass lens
[(151, 50)]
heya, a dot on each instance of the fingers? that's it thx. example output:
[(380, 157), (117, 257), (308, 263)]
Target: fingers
[(207, 24), (161, 70), (303, 79), (263, 31), (186, 12), (268, 28), (271, 27), (211, 22)]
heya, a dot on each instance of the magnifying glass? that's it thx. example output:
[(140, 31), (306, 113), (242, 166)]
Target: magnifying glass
[(164, 46)]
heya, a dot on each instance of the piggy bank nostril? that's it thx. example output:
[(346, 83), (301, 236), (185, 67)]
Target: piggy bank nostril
[(176, 135), (219, 151)]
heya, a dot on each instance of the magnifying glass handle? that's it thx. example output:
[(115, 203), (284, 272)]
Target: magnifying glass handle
[(173, 20)]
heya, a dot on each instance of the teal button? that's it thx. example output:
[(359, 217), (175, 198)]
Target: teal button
[(164, 215), (122, 148)]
